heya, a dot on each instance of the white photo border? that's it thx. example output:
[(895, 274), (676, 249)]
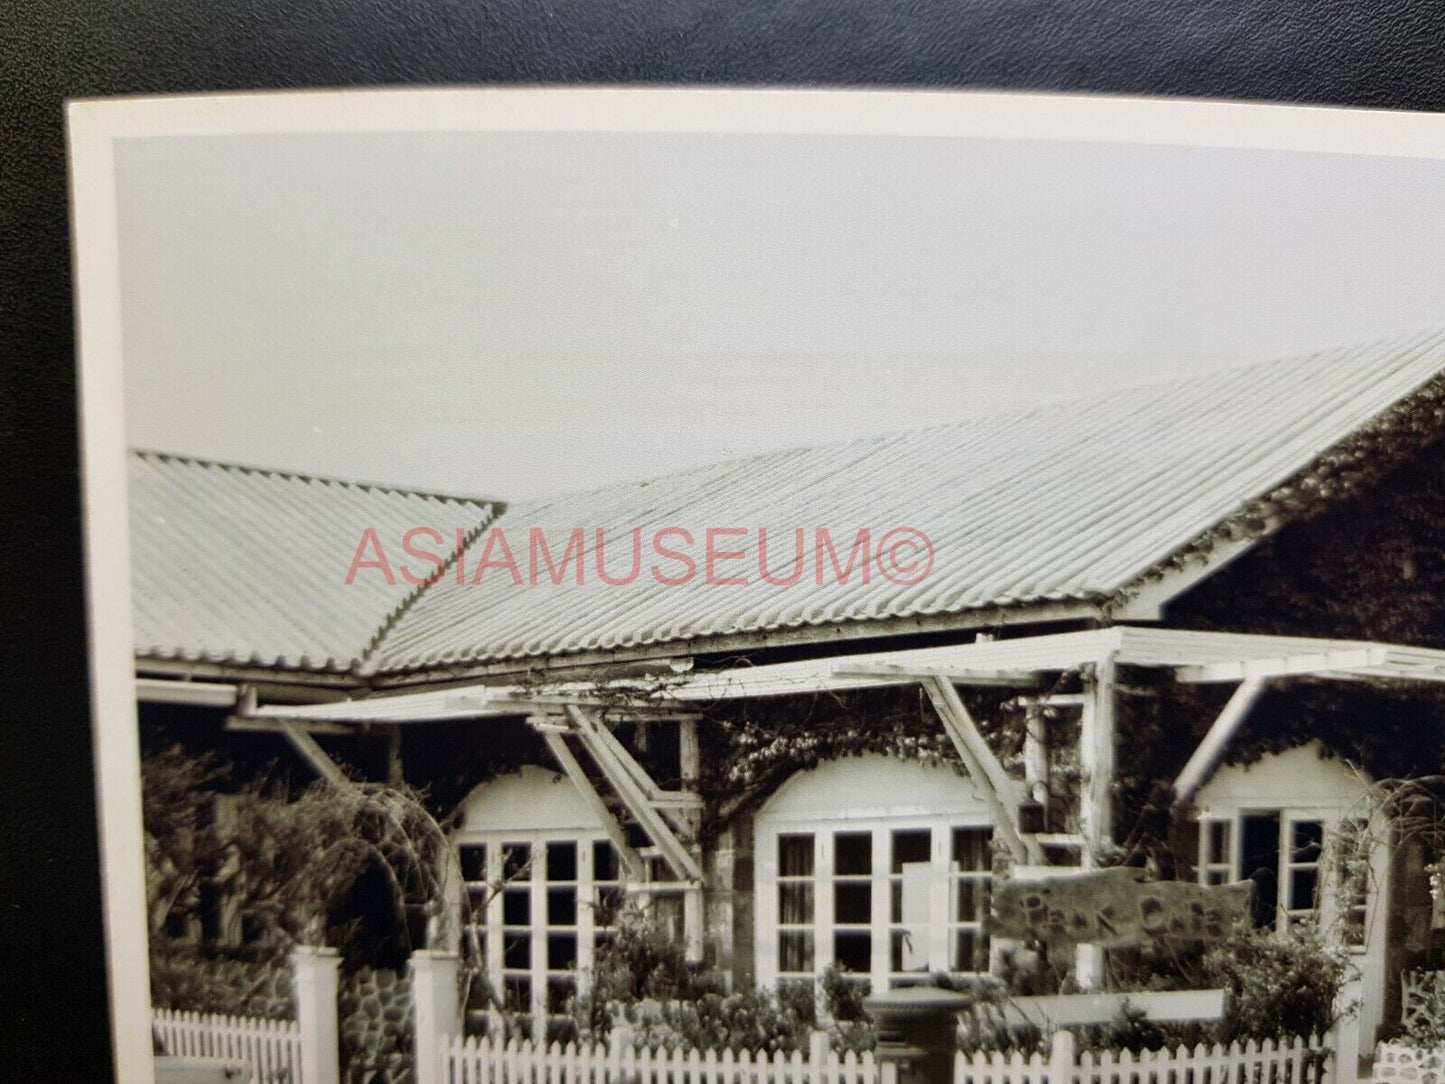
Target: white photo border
[(94, 127)]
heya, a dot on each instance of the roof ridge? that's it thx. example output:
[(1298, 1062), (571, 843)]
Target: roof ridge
[(305, 476), (362, 662), (1418, 338)]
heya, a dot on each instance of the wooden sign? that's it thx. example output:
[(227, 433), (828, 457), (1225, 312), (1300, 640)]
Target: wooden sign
[(1114, 908)]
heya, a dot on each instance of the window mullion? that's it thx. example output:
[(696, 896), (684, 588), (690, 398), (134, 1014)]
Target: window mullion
[(493, 918), (765, 899), (881, 911), (586, 913), (539, 941), (823, 901), (940, 890)]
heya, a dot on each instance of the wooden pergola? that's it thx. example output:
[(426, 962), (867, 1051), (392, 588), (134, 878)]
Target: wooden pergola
[(578, 713)]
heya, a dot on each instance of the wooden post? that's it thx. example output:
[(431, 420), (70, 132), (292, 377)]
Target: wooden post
[(689, 753), (1096, 794), (1036, 753), (689, 770), (1061, 1057), (394, 774), (692, 922), (314, 973), (436, 1014)]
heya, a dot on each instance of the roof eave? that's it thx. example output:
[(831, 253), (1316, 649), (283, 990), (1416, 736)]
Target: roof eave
[(1040, 613)]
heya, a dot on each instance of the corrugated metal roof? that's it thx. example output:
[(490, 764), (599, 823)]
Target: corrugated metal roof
[(1071, 501), (245, 566)]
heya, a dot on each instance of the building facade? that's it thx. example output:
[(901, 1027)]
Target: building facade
[(1199, 628)]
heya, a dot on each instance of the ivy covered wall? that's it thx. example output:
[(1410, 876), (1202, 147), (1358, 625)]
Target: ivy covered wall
[(1369, 566)]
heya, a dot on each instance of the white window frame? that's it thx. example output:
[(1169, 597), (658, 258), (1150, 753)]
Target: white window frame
[(1327, 905), (586, 928), (942, 922)]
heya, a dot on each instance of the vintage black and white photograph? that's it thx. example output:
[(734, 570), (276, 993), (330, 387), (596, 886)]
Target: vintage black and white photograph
[(766, 587)]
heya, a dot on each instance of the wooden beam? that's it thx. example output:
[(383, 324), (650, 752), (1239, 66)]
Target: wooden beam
[(957, 675), (638, 795), (619, 752), (1326, 663), (1049, 700), (1204, 759), (314, 755), (689, 752), (982, 766), (629, 858), (278, 726), (395, 775), (651, 712), (203, 694)]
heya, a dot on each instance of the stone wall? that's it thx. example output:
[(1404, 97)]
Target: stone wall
[(1397, 1063), (375, 1011)]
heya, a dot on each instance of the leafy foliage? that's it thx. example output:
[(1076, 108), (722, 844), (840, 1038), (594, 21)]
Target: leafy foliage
[(1277, 985), (182, 979), (642, 980), (359, 867), (752, 746)]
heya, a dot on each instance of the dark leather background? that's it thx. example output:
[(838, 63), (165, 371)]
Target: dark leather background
[(53, 1021)]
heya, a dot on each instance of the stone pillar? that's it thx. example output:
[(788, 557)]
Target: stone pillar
[(437, 1013), (315, 974)]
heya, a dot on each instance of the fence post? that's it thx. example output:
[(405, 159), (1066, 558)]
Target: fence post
[(619, 1039), (314, 973), (1347, 1032), (819, 1047), (436, 1013), (1061, 1057)]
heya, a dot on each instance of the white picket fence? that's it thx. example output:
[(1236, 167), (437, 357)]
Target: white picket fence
[(1298, 1062), (271, 1048), (478, 1061)]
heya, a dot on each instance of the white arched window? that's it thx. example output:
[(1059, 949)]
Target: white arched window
[(879, 865), (543, 880)]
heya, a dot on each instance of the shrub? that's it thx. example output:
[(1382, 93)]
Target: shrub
[(641, 977), (184, 980), (1278, 986)]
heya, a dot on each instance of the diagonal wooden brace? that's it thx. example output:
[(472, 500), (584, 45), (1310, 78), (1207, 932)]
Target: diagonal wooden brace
[(983, 767), (313, 754), (630, 859), (677, 856), (1204, 759)]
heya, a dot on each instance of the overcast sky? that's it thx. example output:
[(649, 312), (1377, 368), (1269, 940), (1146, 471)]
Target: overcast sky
[(514, 315)]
